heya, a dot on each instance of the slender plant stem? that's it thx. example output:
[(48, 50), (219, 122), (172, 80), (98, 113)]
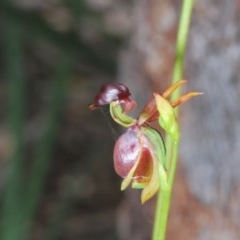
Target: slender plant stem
[(164, 195), (183, 29)]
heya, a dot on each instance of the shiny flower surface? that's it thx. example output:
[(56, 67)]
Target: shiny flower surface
[(113, 92)]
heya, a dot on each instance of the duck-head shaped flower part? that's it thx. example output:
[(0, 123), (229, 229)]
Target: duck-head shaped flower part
[(116, 95), (139, 153)]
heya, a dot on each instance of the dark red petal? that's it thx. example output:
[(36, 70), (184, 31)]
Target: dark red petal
[(149, 113), (145, 167)]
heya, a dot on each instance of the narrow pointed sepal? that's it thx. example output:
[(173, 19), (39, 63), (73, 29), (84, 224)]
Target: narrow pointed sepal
[(185, 98), (172, 88), (128, 179)]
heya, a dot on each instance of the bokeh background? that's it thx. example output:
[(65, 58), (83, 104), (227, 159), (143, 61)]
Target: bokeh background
[(56, 173)]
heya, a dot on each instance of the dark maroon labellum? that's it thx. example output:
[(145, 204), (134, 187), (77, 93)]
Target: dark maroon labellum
[(110, 92)]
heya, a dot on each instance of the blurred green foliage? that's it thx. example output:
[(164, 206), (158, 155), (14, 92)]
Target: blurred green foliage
[(24, 186)]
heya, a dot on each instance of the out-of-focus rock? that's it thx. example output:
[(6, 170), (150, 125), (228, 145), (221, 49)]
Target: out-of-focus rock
[(207, 185)]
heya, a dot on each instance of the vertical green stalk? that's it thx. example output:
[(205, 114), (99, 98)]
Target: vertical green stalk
[(164, 196)]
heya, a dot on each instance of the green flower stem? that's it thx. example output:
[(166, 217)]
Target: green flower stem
[(183, 29), (160, 223), (164, 195)]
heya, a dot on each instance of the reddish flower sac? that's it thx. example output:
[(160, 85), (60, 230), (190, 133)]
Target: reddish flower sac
[(126, 151), (113, 92), (135, 160)]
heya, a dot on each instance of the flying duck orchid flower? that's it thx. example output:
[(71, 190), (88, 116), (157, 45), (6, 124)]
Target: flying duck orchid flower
[(139, 153)]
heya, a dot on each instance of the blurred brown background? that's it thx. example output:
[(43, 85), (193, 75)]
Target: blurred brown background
[(57, 179)]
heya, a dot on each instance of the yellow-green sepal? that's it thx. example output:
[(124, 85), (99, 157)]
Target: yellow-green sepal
[(167, 118)]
